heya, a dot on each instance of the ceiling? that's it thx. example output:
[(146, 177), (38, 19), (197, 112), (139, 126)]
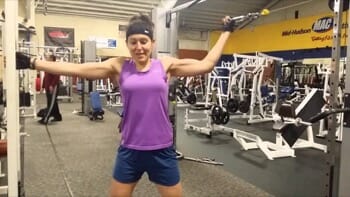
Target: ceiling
[(107, 9), (201, 16)]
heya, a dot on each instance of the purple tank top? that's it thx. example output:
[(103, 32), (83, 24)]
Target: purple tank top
[(146, 124)]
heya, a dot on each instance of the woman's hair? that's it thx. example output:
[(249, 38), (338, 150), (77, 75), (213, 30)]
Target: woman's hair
[(140, 24)]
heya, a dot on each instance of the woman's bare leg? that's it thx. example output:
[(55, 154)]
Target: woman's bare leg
[(170, 191), (119, 189)]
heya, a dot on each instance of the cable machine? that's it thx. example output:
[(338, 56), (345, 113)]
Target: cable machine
[(166, 26)]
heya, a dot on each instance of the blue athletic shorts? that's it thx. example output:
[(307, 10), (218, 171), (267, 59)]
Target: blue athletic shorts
[(160, 165)]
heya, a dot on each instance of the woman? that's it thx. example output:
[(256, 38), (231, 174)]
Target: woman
[(147, 136)]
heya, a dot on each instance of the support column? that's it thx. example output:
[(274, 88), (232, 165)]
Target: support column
[(12, 95), (332, 156), (344, 171)]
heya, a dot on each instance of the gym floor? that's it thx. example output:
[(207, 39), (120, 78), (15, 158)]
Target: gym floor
[(300, 176), (76, 156), (85, 156)]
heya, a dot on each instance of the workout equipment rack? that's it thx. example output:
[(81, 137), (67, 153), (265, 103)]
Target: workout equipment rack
[(173, 116)]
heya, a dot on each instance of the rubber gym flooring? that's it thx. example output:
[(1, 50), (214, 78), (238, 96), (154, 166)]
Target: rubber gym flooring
[(75, 157), (300, 176), (85, 156)]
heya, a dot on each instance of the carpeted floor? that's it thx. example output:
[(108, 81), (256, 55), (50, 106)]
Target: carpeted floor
[(76, 157)]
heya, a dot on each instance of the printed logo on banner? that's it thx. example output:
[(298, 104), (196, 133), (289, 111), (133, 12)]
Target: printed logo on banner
[(323, 24), (58, 36)]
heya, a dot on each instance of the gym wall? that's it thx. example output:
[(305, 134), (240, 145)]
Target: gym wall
[(307, 37), (303, 33), (264, 34), (283, 11), (280, 12), (191, 53), (286, 10), (193, 40), (84, 28)]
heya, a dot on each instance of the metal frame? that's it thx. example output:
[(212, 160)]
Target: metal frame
[(336, 181), (247, 140), (344, 172), (12, 109)]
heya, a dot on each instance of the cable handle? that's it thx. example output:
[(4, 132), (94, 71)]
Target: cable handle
[(252, 15)]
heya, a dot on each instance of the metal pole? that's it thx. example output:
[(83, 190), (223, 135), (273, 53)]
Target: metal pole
[(174, 42), (332, 175), (12, 95), (344, 177)]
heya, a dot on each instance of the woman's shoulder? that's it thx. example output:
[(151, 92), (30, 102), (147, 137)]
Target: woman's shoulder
[(120, 59), (117, 62), (166, 61)]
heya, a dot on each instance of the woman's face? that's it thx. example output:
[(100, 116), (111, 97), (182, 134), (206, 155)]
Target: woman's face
[(140, 47)]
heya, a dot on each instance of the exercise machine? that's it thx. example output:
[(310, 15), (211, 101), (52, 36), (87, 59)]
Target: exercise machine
[(166, 22), (322, 132), (295, 121)]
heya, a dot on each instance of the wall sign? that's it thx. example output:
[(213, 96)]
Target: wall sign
[(296, 34), (58, 36)]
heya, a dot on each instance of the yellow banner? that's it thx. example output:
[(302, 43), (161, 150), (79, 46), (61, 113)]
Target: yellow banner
[(304, 33)]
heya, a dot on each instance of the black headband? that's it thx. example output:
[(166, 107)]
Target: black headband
[(139, 29)]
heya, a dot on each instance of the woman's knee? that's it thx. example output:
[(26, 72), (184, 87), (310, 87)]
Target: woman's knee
[(119, 189), (170, 191)]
